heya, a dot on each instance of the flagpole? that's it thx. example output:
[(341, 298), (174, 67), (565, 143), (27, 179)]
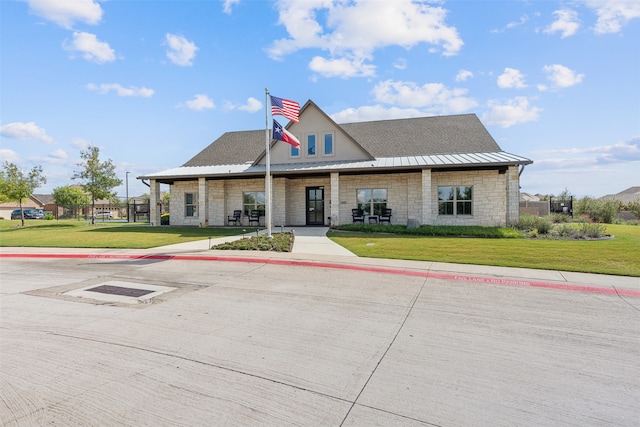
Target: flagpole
[(267, 177)]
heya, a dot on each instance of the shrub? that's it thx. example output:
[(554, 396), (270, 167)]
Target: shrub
[(558, 218), (598, 210), (165, 218), (527, 222), (544, 226), (593, 230), (49, 217), (280, 242), (566, 230)]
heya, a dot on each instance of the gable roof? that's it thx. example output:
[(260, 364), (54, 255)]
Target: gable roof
[(421, 136), (231, 148), (399, 144)]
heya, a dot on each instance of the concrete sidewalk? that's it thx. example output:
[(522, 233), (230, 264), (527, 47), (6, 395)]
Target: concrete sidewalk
[(308, 240)]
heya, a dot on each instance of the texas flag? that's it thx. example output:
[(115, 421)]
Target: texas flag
[(281, 134)]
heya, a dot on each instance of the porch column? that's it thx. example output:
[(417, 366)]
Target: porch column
[(513, 195), (426, 197), (203, 215), (154, 203), (334, 201)]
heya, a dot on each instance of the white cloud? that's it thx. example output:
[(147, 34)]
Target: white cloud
[(105, 88), (511, 78), (181, 51), (613, 14), (432, 97), (375, 112), (514, 111), (25, 131), (354, 30), (91, 48), (620, 152), (400, 64), (463, 75), (228, 4), (341, 67), (66, 12), (80, 143), (8, 156), (199, 103), (513, 24), (58, 154), (566, 23), (561, 76), (251, 106)]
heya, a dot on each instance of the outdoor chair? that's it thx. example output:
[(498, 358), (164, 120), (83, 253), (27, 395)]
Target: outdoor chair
[(235, 218), (254, 217), (385, 216), (358, 215)]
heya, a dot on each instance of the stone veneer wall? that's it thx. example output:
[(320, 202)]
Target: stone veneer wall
[(397, 194), (297, 198), (489, 198), (411, 196)]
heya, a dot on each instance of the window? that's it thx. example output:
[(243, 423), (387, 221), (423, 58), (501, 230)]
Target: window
[(294, 152), (191, 204), (328, 144), (372, 200), (311, 145), (455, 200), (252, 200)]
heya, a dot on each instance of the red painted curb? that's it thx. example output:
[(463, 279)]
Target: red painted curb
[(370, 269)]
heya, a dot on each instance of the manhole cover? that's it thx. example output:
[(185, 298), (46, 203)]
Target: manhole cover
[(120, 292), (117, 290)]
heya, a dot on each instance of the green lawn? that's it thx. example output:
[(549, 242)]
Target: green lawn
[(618, 256), (81, 234)]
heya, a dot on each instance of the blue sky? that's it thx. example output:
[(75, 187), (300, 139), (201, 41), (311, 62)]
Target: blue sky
[(151, 83)]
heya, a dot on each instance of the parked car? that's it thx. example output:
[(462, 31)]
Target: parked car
[(28, 214), (103, 215)]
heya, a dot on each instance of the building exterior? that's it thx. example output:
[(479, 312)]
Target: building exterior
[(445, 170)]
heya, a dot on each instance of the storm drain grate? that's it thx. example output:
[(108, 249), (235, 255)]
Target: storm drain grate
[(117, 290)]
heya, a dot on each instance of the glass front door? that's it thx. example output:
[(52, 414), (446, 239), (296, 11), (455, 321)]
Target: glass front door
[(315, 205)]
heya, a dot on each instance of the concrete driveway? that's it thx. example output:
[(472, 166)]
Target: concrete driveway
[(306, 339)]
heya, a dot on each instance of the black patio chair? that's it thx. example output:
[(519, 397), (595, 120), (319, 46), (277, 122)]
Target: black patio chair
[(254, 217), (357, 215), (235, 218), (385, 216)]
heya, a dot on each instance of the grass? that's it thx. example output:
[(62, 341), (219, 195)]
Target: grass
[(81, 234), (617, 256)]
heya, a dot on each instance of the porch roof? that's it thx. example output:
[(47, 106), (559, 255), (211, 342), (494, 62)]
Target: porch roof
[(386, 164)]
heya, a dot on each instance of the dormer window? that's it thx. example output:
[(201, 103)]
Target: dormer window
[(311, 145), (328, 145)]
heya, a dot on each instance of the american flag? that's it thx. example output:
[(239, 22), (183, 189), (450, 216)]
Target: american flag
[(286, 108)]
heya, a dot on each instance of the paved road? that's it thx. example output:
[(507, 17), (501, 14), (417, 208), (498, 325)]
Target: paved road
[(313, 341)]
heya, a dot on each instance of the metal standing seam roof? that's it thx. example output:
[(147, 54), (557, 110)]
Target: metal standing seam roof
[(385, 163)]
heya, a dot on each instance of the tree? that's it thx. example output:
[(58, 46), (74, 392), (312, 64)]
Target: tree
[(71, 198), (16, 186), (97, 178)]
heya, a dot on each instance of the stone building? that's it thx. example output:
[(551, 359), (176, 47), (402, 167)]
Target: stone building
[(444, 170)]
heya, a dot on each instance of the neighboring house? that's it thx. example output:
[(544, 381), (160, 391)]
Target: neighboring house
[(631, 194), (445, 170), (30, 203), (49, 204)]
